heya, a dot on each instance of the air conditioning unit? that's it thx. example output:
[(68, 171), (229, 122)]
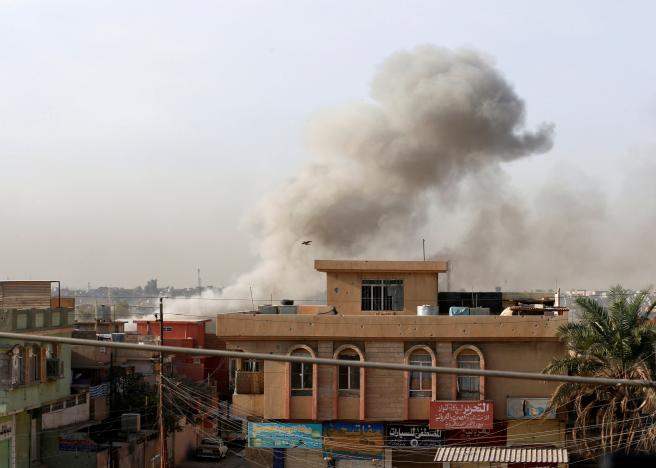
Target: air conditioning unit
[(131, 422), (54, 368)]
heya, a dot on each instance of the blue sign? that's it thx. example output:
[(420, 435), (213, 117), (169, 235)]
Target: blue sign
[(284, 435)]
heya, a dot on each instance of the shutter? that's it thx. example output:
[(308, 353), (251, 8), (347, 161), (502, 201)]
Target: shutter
[(396, 291)]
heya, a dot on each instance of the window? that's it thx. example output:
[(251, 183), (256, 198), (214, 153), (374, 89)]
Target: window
[(349, 377), (420, 382), (21, 321), (55, 319), (469, 386), (301, 375), (17, 366), (35, 364), (382, 294), (168, 329), (251, 365), (38, 320)]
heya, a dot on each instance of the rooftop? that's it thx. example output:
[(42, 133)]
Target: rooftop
[(381, 266)]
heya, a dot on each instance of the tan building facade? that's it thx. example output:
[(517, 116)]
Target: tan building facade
[(374, 319)]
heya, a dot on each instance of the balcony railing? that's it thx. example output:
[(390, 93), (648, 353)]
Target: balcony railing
[(249, 383)]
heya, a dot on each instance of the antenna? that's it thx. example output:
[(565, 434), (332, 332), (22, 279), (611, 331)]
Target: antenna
[(200, 284), (423, 247)]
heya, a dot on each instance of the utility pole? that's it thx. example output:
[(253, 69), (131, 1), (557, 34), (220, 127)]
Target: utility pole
[(163, 455)]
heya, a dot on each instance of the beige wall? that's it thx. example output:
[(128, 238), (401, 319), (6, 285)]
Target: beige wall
[(386, 389), (344, 290)]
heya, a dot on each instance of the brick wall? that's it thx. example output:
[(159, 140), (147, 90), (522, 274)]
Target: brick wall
[(384, 386)]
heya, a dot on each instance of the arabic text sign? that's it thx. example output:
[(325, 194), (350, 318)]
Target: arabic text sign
[(283, 435), (464, 414), (418, 435), (528, 408), (344, 440)]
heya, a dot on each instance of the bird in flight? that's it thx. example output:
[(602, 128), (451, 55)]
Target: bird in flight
[(306, 242)]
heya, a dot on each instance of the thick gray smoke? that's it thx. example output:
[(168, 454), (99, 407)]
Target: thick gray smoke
[(437, 117)]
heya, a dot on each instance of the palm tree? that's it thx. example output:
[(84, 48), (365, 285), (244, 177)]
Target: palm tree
[(617, 341)]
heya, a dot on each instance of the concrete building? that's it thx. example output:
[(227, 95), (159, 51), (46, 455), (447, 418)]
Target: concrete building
[(369, 416), (35, 378)]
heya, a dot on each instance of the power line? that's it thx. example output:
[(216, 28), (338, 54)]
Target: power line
[(334, 362)]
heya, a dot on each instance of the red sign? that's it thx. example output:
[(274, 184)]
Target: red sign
[(464, 414)]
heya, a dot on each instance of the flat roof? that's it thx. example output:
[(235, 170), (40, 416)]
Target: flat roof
[(392, 266)]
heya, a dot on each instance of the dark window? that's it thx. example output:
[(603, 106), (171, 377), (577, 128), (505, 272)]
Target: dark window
[(35, 364), (382, 294), (349, 377), (469, 386), (420, 382), (168, 329), (301, 375)]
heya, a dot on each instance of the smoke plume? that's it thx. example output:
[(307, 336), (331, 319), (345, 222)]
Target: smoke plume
[(436, 118)]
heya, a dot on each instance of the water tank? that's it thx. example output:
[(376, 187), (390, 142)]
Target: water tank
[(479, 311), (287, 309), (428, 310), (131, 422), (103, 313), (267, 309)]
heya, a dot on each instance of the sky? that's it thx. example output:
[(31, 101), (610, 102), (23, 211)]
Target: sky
[(135, 137)]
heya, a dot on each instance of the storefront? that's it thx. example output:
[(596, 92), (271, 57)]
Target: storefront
[(6, 440)]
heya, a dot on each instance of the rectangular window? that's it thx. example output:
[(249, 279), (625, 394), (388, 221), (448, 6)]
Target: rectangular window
[(420, 382), (55, 319), (382, 295), (21, 321), (168, 329), (35, 364), (38, 320), (469, 386)]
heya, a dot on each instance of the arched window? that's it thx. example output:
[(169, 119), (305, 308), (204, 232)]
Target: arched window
[(301, 378), (420, 385), (349, 377), (468, 387)]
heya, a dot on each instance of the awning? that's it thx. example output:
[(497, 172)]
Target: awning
[(502, 454)]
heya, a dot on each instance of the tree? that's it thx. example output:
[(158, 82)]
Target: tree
[(616, 341)]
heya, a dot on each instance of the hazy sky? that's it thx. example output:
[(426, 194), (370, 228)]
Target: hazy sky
[(134, 136)]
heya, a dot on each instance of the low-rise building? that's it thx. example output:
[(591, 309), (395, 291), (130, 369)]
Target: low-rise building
[(348, 416), (35, 377)]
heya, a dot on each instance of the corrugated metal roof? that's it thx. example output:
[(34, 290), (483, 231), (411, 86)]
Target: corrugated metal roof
[(502, 454)]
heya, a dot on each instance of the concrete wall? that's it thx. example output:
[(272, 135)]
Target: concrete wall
[(66, 416), (385, 390), (252, 327), (185, 442), (344, 290)]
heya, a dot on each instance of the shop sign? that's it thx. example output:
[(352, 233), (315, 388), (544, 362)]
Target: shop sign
[(495, 437), (284, 435), (528, 408), (76, 443), (417, 435), (345, 440), (6, 430), (463, 414)]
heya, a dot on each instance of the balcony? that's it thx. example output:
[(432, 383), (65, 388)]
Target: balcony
[(249, 383), (72, 410)]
